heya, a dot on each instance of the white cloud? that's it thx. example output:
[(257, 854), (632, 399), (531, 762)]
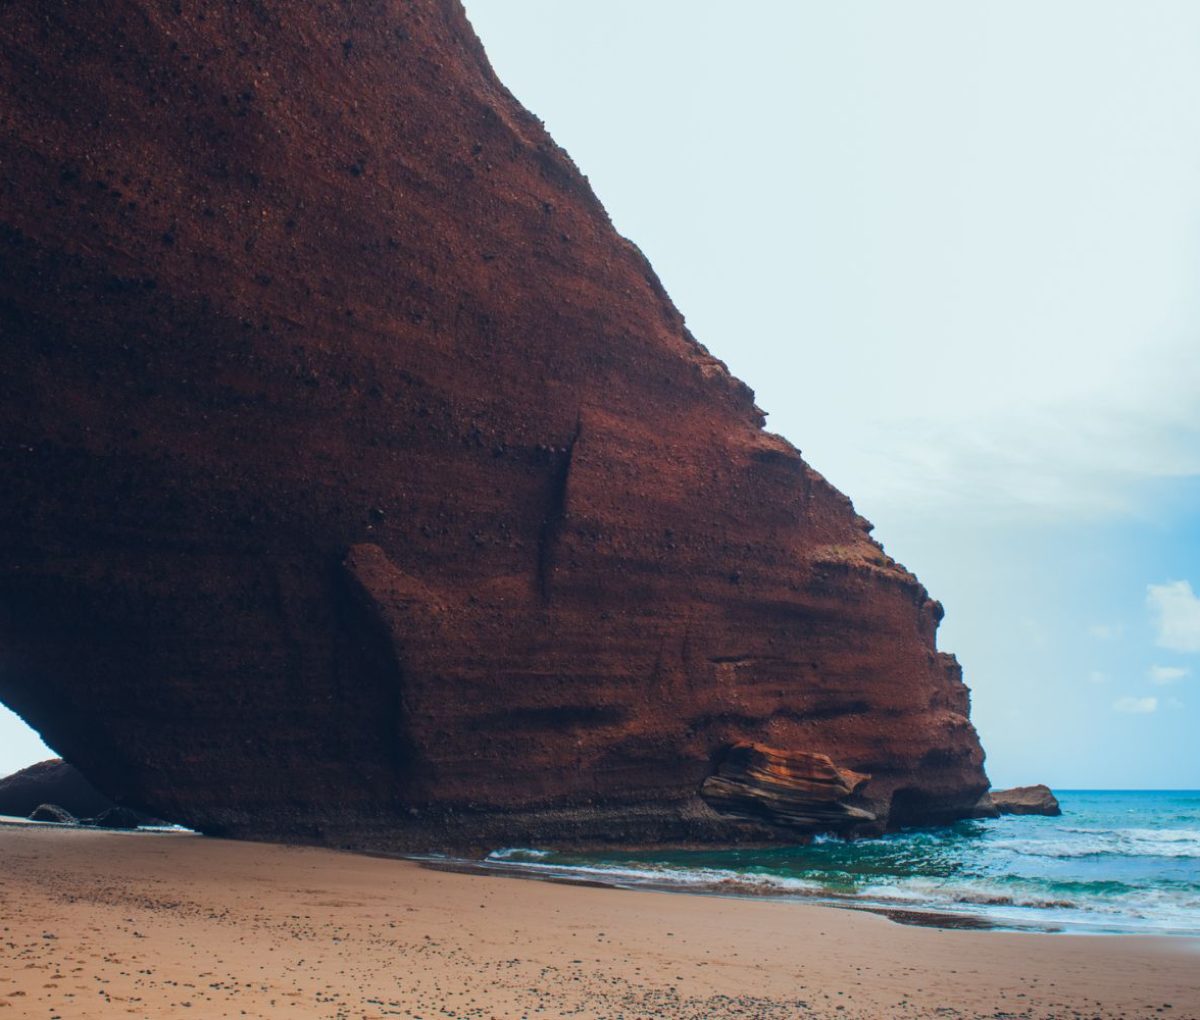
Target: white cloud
[(1136, 706), (1096, 677), (1106, 631), (1177, 614), (1167, 674)]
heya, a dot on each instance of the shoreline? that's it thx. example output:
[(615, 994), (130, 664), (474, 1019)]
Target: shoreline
[(993, 912), (970, 918), (920, 917), (176, 924)]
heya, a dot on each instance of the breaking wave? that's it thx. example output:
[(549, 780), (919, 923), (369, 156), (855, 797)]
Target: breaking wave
[(1079, 842), (1114, 862)]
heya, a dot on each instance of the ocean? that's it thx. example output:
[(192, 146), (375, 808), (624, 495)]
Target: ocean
[(1115, 862)]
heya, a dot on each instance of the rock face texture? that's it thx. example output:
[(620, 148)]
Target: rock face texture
[(792, 788), (50, 782), (362, 485), (1026, 800)]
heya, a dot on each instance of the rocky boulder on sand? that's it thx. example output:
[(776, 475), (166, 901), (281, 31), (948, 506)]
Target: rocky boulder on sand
[(51, 813), (117, 818)]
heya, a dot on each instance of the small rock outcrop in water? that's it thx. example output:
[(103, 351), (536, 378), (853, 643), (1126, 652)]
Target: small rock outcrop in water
[(50, 782), (52, 813), (790, 788), (361, 483), (1026, 800)]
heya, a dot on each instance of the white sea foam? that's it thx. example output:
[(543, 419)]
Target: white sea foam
[(518, 853), (1176, 911), (1145, 910), (1077, 842), (962, 893), (659, 876), (1105, 866), (1002, 902)]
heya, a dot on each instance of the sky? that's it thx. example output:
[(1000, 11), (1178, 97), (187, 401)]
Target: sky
[(953, 247)]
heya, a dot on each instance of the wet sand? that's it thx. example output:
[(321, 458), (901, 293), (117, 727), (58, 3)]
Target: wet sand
[(98, 924)]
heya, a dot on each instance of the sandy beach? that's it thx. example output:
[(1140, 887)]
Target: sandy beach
[(97, 924)]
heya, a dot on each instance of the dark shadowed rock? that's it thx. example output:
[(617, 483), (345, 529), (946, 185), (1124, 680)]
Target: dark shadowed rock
[(1026, 800), (50, 782), (117, 818), (52, 813), (363, 485)]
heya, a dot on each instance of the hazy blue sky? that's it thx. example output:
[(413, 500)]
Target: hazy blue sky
[(954, 247)]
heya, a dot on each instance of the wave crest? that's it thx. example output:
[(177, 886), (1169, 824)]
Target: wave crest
[(1079, 842)]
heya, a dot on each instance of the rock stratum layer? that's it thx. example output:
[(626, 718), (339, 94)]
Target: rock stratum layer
[(363, 485), (791, 788)]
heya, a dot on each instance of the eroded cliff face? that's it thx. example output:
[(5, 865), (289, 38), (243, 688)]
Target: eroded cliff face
[(361, 484)]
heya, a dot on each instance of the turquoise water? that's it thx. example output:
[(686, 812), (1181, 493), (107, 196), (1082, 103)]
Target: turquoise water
[(1116, 861)]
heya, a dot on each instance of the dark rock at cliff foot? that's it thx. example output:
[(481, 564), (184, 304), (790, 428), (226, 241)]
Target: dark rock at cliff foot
[(362, 485), (52, 813), (1026, 800), (118, 818), (50, 782), (57, 784)]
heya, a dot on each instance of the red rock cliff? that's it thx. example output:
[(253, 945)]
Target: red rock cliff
[(361, 484)]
